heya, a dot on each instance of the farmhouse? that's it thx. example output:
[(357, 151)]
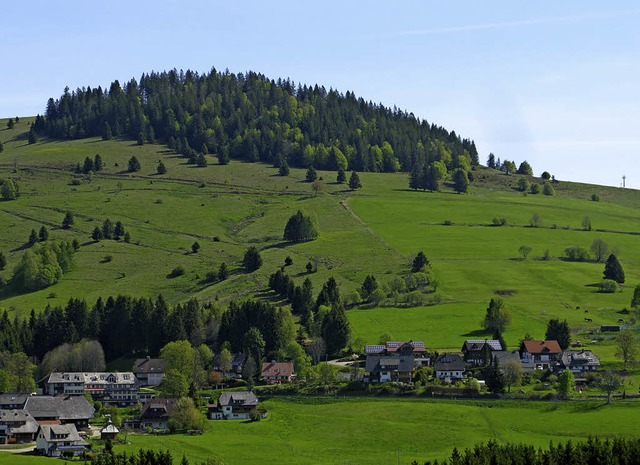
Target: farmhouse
[(63, 410), (277, 372), (539, 355), (149, 371), (119, 388), (155, 414), (478, 351), (13, 401), (17, 427), (53, 440), (578, 361), (233, 405), (385, 368), (237, 362), (449, 367)]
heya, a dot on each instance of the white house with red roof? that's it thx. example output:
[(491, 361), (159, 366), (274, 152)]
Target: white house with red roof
[(539, 355)]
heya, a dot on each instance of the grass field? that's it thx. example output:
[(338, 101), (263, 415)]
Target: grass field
[(372, 231), (372, 431)]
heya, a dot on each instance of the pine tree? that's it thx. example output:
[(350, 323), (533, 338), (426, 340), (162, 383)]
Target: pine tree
[(613, 270), (354, 181), (3, 261), (140, 138), (162, 169), (311, 175), (201, 160), (9, 189), (96, 235), (106, 131), (107, 229), (67, 221), (342, 177), (98, 164), (43, 234), (223, 155), (88, 165), (494, 377), (33, 237), (223, 271), (133, 165), (1, 147), (252, 259), (460, 181), (283, 170), (195, 247), (118, 231)]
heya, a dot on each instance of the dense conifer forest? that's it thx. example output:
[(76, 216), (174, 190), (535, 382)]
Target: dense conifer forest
[(250, 117)]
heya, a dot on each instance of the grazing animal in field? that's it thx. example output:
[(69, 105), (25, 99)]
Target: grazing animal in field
[(620, 320), (588, 319), (586, 311)]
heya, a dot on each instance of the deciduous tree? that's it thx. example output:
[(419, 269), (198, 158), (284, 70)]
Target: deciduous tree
[(627, 347)]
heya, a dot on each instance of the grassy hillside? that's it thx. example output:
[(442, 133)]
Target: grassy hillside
[(372, 231)]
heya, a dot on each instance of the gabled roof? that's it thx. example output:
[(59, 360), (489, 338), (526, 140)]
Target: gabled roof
[(62, 433), (13, 399), (478, 344), (160, 408), (375, 363), (550, 347), (246, 398), (449, 362), (20, 421), (147, 365), (391, 347), (65, 407), (110, 428), (272, 369)]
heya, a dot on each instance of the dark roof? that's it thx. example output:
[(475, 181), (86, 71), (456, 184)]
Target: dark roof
[(449, 362), (579, 359), (148, 365), (65, 407), (542, 347), (375, 363), (161, 408), (67, 433), (238, 398), (504, 356), (478, 344), (27, 424), (12, 399)]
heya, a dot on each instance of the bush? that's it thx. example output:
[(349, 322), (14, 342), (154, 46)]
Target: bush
[(576, 254), (595, 197), (212, 276), (608, 286), (534, 188), (254, 415), (177, 271), (548, 189), (499, 221)]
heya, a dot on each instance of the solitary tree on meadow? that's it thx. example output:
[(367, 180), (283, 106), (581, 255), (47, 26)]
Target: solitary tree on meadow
[(354, 181), (613, 270)]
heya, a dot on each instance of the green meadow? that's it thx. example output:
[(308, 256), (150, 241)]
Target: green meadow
[(376, 431), (375, 230)]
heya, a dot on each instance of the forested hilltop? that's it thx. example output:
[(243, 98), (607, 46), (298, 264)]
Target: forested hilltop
[(250, 117)]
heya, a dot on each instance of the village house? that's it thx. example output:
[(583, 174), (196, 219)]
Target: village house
[(397, 348), (385, 368), (17, 426), (149, 371), (233, 405), (13, 400), (237, 362), (156, 413), (478, 351), (62, 410), (449, 367), (539, 355), (277, 372), (578, 361), (117, 388), (54, 440)]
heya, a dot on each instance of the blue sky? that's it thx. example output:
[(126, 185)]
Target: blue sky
[(555, 83)]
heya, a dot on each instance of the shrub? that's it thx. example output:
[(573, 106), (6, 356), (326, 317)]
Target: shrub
[(548, 189), (499, 221), (608, 286), (534, 188), (595, 197), (177, 271), (576, 254), (212, 276)]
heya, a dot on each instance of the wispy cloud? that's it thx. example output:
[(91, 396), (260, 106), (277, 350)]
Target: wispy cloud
[(516, 23)]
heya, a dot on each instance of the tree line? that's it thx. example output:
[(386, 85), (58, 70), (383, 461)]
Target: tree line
[(593, 451), (250, 117)]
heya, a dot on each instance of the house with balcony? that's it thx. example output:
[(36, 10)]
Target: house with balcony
[(539, 355), (233, 406), (115, 388)]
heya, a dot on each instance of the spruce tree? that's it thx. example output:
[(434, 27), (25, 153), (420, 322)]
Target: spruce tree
[(613, 270), (67, 221), (162, 169), (106, 131), (133, 165), (284, 168), (311, 175), (98, 164), (3, 261), (43, 234), (342, 177), (33, 237), (354, 181)]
